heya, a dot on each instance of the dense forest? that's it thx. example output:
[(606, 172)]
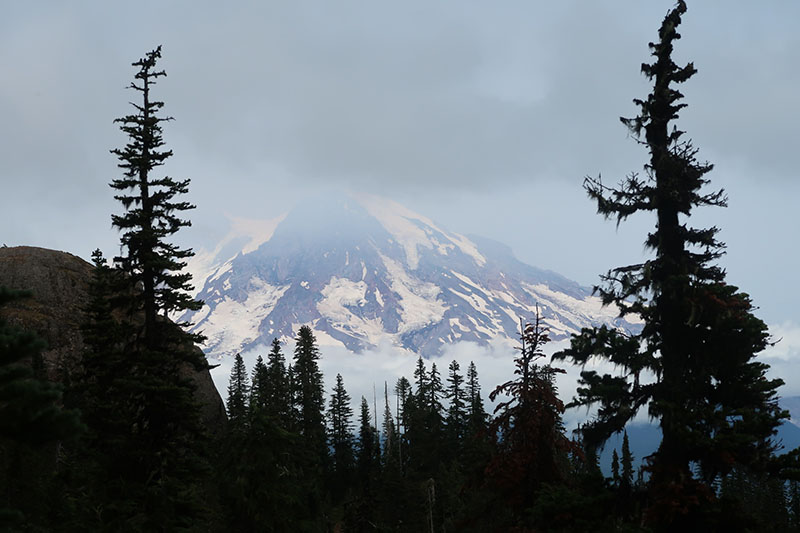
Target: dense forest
[(120, 445)]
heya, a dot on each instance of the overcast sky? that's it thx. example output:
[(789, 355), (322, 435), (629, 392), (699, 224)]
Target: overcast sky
[(485, 116)]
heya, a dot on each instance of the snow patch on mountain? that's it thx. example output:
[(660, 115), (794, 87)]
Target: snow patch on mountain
[(418, 300), (413, 230), (341, 300), (586, 310), (245, 236), (366, 272), (230, 324)]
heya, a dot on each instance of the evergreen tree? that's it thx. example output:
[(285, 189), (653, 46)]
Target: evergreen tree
[(258, 387), (421, 377), (434, 393), (403, 392), (153, 264), (156, 476), (278, 387), (456, 420), (423, 414), (478, 446), (715, 406), (262, 481), (615, 467), (390, 441), (293, 417), (368, 446), (533, 449), (340, 416), (31, 421), (238, 394), (477, 416), (310, 423), (98, 391), (309, 391), (364, 515), (626, 481)]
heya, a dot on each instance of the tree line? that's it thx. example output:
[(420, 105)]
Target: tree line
[(121, 445)]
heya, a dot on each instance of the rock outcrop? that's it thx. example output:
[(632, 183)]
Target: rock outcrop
[(59, 283)]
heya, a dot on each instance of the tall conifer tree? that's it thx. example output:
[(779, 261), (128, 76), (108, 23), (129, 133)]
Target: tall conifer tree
[(477, 416), (152, 215), (238, 394), (368, 445), (258, 386), (456, 420), (340, 416), (390, 441), (278, 387), (310, 412), (309, 390), (160, 462), (715, 406), (627, 463), (532, 447)]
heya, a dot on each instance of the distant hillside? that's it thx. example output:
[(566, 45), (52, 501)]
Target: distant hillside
[(645, 438)]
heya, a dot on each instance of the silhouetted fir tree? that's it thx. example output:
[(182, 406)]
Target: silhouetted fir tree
[(98, 390), (434, 392), (403, 392), (238, 395), (390, 441), (532, 449), (393, 497), (476, 453), (309, 390), (258, 387), (421, 377), (106, 398), (368, 457), (340, 440), (309, 409), (160, 466), (263, 487), (278, 386), (477, 417), (456, 420), (31, 424), (615, 468), (626, 480), (714, 404), (364, 514), (424, 422), (153, 265), (293, 417)]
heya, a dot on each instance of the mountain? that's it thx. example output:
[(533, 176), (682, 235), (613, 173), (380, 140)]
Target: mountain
[(363, 271), (645, 437)]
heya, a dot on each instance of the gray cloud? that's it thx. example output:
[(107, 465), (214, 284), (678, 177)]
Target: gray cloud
[(483, 116)]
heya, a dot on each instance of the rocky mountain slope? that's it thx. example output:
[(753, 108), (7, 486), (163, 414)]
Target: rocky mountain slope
[(59, 282), (363, 271)]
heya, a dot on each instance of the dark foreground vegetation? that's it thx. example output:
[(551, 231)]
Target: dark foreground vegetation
[(121, 446)]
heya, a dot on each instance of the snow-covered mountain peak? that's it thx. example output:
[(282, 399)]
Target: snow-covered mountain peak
[(413, 230), (364, 271), (244, 236)]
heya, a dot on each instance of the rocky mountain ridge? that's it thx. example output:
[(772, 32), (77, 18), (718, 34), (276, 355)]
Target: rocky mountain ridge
[(59, 282)]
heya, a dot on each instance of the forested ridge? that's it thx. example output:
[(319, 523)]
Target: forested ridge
[(120, 444)]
